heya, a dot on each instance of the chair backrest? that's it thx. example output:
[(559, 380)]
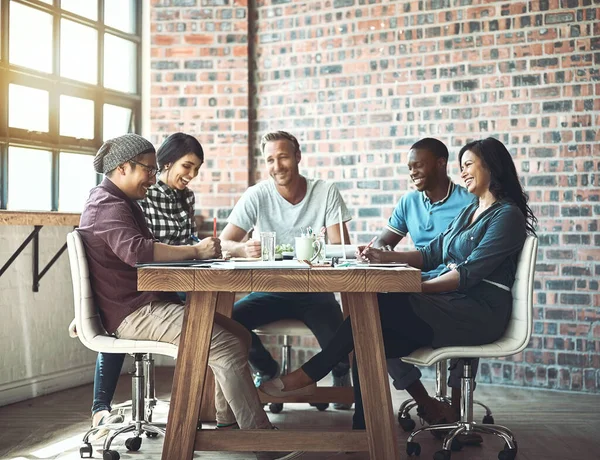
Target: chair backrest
[(87, 319), (521, 321)]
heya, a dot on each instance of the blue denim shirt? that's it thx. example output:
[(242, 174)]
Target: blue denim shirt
[(486, 249)]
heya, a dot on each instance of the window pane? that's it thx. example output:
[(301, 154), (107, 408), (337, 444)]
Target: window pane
[(27, 167), (85, 8), (76, 117), (27, 108), (76, 178), (78, 52), (120, 62), (117, 121), (23, 48), (120, 14)]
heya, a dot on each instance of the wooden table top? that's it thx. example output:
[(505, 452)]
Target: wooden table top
[(316, 279)]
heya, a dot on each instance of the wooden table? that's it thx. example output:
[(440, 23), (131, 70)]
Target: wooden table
[(211, 290)]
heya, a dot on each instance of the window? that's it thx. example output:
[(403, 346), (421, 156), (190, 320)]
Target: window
[(63, 90)]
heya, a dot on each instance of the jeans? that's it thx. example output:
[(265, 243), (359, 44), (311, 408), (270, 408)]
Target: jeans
[(236, 398), (405, 374), (108, 369), (319, 311), (403, 332)]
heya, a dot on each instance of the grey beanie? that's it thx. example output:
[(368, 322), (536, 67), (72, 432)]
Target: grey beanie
[(117, 151)]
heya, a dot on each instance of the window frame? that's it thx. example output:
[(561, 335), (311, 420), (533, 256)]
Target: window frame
[(57, 86)]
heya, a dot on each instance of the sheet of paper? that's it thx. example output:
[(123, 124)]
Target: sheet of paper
[(278, 264)]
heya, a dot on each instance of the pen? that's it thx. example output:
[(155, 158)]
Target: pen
[(362, 253), (194, 238), (214, 227)]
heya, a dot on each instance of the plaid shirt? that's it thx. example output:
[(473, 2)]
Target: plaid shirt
[(170, 213)]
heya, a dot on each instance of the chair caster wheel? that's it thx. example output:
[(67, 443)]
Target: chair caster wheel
[(413, 448), (442, 455), (110, 455), (507, 454), (85, 450), (321, 406), (407, 424), (152, 434), (275, 408), (133, 444), (488, 420), (456, 445)]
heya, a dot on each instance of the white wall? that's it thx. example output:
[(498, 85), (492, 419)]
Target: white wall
[(37, 356)]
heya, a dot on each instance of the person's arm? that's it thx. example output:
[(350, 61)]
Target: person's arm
[(379, 256), (444, 283), (387, 240), (208, 248), (334, 236), (232, 238)]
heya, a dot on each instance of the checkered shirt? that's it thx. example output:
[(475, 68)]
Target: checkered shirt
[(170, 213)]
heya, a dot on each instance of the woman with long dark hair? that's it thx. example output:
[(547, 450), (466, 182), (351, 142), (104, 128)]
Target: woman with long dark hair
[(469, 303)]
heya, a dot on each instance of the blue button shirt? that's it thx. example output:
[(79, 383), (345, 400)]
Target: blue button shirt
[(485, 249), (416, 215)]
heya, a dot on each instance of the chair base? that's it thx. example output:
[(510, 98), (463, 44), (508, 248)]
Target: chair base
[(441, 394), (141, 411), (452, 444), (466, 425)]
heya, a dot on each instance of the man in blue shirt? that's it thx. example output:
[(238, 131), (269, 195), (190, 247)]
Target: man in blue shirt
[(424, 214)]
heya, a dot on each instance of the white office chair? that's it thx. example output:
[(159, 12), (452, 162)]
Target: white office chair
[(92, 334), (515, 339)]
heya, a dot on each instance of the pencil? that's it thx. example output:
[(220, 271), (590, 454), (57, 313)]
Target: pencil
[(369, 244), (214, 227)]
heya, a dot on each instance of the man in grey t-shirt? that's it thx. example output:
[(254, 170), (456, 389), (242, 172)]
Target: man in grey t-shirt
[(283, 204)]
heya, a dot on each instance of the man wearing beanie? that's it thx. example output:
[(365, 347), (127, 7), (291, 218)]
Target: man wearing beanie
[(116, 237)]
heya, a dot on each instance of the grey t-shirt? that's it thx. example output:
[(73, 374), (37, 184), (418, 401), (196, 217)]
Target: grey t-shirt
[(262, 207)]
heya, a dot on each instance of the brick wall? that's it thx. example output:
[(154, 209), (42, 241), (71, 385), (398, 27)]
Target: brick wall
[(199, 85), (359, 81)]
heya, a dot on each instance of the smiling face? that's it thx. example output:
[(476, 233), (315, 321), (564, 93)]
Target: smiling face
[(135, 179), (475, 174), (282, 161), (179, 174), (425, 168)]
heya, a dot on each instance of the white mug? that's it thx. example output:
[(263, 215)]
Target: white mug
[(307, 248)]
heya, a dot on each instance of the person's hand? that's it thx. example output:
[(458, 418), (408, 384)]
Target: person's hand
[(371, 255), (208, 248), (252, 248)]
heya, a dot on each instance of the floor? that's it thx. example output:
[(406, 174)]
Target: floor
[(547, 425)]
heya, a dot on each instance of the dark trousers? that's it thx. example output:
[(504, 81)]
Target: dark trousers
[(108, 369), (403, 333), (319, 311)]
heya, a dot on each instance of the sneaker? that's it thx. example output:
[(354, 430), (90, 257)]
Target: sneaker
[(260, 378), (106, 420), (343, 381)]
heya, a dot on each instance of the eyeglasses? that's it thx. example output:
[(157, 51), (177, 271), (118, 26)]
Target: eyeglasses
[(151, 169)]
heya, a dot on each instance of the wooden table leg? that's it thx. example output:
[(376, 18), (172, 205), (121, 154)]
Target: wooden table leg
[(372, 370), (190, 373), (207, 412)]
